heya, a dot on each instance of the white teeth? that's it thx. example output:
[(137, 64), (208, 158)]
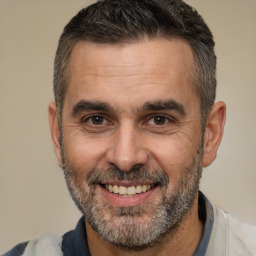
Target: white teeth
[(122, 190), (115, 189), (132, 190), (110, 188), (138, 189)]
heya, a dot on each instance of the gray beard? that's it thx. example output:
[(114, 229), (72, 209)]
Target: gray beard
[(136, 227)]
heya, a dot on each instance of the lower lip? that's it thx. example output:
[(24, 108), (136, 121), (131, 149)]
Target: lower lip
[(126, 201)]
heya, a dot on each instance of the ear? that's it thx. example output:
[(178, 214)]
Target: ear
[(55, 130), (213, 132)]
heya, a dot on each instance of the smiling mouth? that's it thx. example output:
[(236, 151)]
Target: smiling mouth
[(128, 191)]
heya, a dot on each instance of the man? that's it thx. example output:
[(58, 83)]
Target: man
[(133, 123)]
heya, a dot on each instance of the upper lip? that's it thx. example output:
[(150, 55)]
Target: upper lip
[(127, 183)]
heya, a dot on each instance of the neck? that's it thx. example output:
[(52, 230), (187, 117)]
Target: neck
[(182, 241)]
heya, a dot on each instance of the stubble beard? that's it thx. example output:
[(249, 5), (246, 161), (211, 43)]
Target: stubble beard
[(140, 226)]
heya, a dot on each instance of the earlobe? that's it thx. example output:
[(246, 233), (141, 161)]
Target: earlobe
[(55, 130), (213, 132)]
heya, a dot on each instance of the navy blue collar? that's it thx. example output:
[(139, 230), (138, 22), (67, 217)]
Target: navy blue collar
[(74, 242), (206, 215)]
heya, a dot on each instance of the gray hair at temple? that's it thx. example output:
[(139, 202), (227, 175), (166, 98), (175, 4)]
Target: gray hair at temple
[(121, 22)]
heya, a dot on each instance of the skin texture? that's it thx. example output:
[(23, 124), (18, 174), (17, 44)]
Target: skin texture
[(128, 132)]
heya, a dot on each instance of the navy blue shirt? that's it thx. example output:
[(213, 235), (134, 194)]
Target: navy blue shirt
[(74, 242)]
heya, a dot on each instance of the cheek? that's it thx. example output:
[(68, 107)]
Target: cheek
[(83, 154), (174, 155)]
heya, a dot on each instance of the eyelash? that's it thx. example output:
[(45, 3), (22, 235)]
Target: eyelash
[(87, 118), (167, 119)]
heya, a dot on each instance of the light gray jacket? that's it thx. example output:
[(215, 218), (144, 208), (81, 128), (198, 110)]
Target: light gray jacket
[(231, 237)]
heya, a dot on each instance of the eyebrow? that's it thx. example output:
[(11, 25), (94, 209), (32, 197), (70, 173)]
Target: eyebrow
[(164, 105), (85, 105)]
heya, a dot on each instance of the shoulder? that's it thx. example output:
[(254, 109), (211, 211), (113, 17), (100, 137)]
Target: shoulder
[(236, 237), (243, 232), (18, 250), (67, 244), (48, 242)]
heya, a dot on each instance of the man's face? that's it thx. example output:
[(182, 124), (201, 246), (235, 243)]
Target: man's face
[(131, 138)]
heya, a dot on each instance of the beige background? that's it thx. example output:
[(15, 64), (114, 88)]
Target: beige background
[(33, 196)]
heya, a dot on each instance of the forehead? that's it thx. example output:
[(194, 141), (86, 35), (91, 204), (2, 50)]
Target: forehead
[(101, 57), (143, 69)]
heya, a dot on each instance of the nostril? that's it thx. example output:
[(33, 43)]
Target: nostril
[(126, 157)]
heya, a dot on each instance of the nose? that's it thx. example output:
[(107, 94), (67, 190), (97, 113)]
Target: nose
[(127, 149)]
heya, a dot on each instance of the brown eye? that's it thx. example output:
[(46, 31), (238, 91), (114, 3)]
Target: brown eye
[(96, 120), (158, 120)]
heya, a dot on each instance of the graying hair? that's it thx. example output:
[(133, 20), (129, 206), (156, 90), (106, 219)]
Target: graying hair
[(129, 21)]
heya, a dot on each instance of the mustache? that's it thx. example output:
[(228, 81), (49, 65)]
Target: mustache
[(138, 174)]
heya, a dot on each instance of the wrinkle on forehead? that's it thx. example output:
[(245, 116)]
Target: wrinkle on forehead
[(158, 66), (129, 76), (142, 57), (126, 69)]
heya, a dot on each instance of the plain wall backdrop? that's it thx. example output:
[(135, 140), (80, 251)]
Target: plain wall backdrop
[(33, 194)]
